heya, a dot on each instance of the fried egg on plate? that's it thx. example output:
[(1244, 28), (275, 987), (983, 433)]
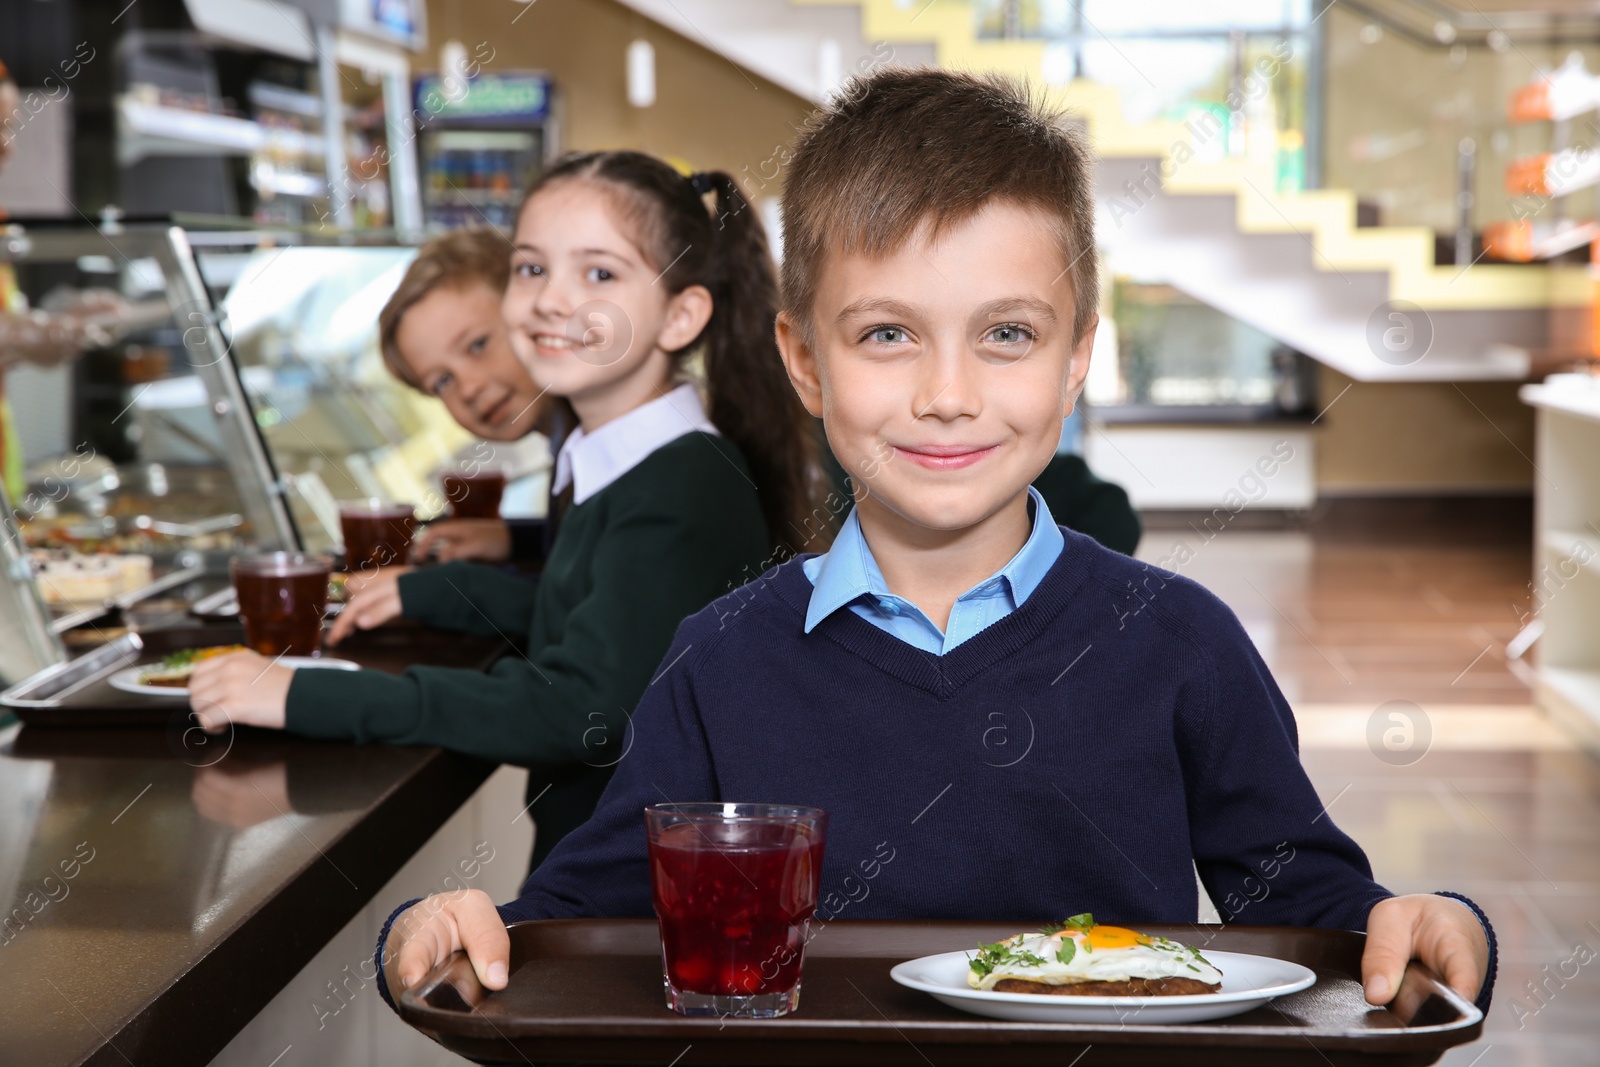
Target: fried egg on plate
[(1081, 950)]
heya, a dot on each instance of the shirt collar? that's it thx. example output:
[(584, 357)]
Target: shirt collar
[(591, 461), (848, 571)]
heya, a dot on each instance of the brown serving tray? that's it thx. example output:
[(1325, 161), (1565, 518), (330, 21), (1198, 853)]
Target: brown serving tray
[(589, 991), (75, 697)]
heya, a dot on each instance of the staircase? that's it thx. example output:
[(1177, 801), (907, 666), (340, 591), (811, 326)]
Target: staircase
[(1366, 301), (808, 49)]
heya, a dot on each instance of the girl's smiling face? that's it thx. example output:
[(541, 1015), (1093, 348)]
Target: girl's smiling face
[(457, 348), (587, 314), (943, 371)]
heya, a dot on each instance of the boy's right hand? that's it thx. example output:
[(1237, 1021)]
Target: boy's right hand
[(485, 539), (425, 935), (371, 599)]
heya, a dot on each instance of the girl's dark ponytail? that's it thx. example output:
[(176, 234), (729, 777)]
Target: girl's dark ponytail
[(751, 400)]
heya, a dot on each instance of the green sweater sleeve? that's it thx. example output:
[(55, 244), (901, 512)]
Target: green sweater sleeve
[(663, 553), (468, 597)]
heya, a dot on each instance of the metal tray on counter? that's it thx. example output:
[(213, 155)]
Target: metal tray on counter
[(78, 694), (54, 685), (589, 991)]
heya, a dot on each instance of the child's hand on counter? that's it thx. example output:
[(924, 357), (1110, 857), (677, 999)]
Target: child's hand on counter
[(1441, 932), (241, 687), (482, 539), (427, 933), (371, 599)]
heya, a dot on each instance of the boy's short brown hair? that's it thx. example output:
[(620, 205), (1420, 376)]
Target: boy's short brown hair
[(901, 147), (454, 260)]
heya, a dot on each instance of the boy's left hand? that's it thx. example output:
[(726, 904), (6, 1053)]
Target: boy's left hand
[(1441, 932), (241, 687)]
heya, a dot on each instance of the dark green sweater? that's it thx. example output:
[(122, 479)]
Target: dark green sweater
[(1081, 501), (658, 544)]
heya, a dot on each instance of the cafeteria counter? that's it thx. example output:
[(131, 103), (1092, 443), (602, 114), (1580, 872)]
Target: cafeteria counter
[(176, 899)]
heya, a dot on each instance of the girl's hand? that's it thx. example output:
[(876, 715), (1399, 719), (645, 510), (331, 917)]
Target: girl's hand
[(427, 933), (485, 539), (1441, 932), (371, 599), (241, 687)]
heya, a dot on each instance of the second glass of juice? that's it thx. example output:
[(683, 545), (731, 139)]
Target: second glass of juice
[(376, 533), (735, 886), (474, 494), (282, 597)]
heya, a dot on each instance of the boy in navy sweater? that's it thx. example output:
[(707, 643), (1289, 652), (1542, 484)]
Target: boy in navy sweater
[(1003, 719)]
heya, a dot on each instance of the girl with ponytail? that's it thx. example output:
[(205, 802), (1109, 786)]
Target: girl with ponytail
[(623, 274), (713, 268)]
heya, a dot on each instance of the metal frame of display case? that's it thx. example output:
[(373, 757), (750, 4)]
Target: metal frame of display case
[(196, 316), (20, 597), (246, 457)]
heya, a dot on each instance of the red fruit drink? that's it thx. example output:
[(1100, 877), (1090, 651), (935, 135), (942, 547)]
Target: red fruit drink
[(282, 597), (474, 494), (735, 887)]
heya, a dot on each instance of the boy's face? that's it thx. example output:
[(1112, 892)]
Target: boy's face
[(456, 346), (943, 371)]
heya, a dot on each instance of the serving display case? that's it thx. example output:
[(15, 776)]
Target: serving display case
[(246, 397)]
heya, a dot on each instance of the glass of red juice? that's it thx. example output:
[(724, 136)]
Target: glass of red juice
[(735, 887), (376, 533), (474, 494), (282, 597)]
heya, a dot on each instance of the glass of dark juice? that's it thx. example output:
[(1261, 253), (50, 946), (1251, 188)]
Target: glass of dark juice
[(735, 887), (376, 533), (282, 596), (474, 494)]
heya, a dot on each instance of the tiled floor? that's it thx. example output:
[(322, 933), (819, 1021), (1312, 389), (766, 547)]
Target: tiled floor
[(1364, 618)]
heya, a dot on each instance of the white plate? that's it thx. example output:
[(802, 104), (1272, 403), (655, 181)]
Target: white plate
[(127, 679), (1247, 982)]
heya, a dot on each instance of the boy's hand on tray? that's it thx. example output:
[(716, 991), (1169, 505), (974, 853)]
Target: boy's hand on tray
[(451, 539), (426, 934), (1441, 932), (371, 599), (241, 687)]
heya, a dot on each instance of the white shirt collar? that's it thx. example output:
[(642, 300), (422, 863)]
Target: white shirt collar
[(591, 461)]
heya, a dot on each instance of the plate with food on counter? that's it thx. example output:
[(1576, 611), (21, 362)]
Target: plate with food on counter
[(1081, 971), (170, 677)]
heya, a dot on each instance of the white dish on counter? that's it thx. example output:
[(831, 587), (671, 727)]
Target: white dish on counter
[(128, 679)]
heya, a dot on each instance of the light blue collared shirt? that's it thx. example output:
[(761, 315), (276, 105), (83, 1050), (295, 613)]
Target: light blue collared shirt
[(847, 575)]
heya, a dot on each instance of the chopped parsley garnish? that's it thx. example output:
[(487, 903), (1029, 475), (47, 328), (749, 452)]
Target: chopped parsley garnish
[(998, 954), (1077, 922), (1069, 948)]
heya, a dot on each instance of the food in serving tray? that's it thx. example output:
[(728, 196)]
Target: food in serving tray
[(175, 670), (1081, 958), (68, 578)]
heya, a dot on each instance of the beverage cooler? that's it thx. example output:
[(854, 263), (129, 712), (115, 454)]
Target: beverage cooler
[(481, 142)]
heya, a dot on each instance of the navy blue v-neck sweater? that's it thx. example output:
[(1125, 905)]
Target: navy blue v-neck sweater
[(1088, 752)]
